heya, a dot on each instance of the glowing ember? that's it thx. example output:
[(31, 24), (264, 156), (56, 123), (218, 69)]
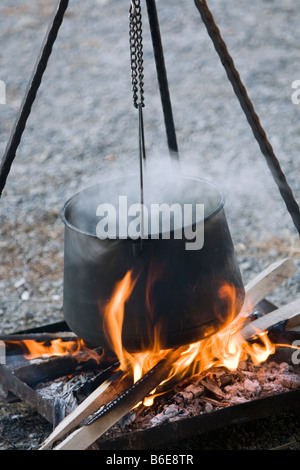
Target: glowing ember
[(226, 348)]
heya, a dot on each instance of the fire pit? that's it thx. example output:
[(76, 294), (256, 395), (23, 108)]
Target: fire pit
[(70, 381)]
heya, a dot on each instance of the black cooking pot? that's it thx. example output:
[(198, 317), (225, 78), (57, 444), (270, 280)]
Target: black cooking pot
[(177, 288)]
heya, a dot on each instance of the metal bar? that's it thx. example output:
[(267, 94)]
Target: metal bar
[(30, 95), (65, 336), (27, 394), (162, 78), (142, 158), (54, 368), (249, 111)]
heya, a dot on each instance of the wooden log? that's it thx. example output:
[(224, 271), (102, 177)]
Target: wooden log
[(105, 393), (289, 313), (266, 282), (85, 436)]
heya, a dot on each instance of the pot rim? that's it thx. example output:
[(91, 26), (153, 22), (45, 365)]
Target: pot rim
[(94, 235)]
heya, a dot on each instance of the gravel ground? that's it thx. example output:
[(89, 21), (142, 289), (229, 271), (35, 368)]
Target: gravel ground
[(83, 128)]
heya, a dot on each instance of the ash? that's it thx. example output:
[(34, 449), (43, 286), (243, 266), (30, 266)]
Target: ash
[(67, 392), (210, 391)]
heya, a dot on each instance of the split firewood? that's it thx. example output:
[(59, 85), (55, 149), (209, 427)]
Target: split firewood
[(289, 313), (105, 393), (86, 435), (266, 282)]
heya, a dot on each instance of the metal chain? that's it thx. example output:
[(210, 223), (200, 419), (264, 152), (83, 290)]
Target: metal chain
[(137, 80), (136, 53)]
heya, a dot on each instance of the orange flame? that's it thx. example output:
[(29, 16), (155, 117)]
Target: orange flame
[(226, 348), (55, 348), (114, 314)]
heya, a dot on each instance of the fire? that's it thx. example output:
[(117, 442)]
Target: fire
[(226, 348), (114, 315), (55, 348)]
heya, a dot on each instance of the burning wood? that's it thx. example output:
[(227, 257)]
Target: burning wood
[(289, 313), (116, 409), (105, 393)]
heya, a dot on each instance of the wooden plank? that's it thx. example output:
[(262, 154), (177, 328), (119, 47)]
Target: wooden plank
[(105, 393), (266, 282), (288, 313), (85, 436)]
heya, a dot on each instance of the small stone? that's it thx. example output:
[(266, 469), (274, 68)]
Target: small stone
[(245, 266), (110, 158), (19, 283), (25, 295), (273, 253)]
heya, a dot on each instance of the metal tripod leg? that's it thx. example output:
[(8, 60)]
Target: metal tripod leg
[(162, 78), (30, 95), (250, 113)]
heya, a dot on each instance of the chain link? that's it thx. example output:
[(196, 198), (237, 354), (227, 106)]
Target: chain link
[(136, 53)]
